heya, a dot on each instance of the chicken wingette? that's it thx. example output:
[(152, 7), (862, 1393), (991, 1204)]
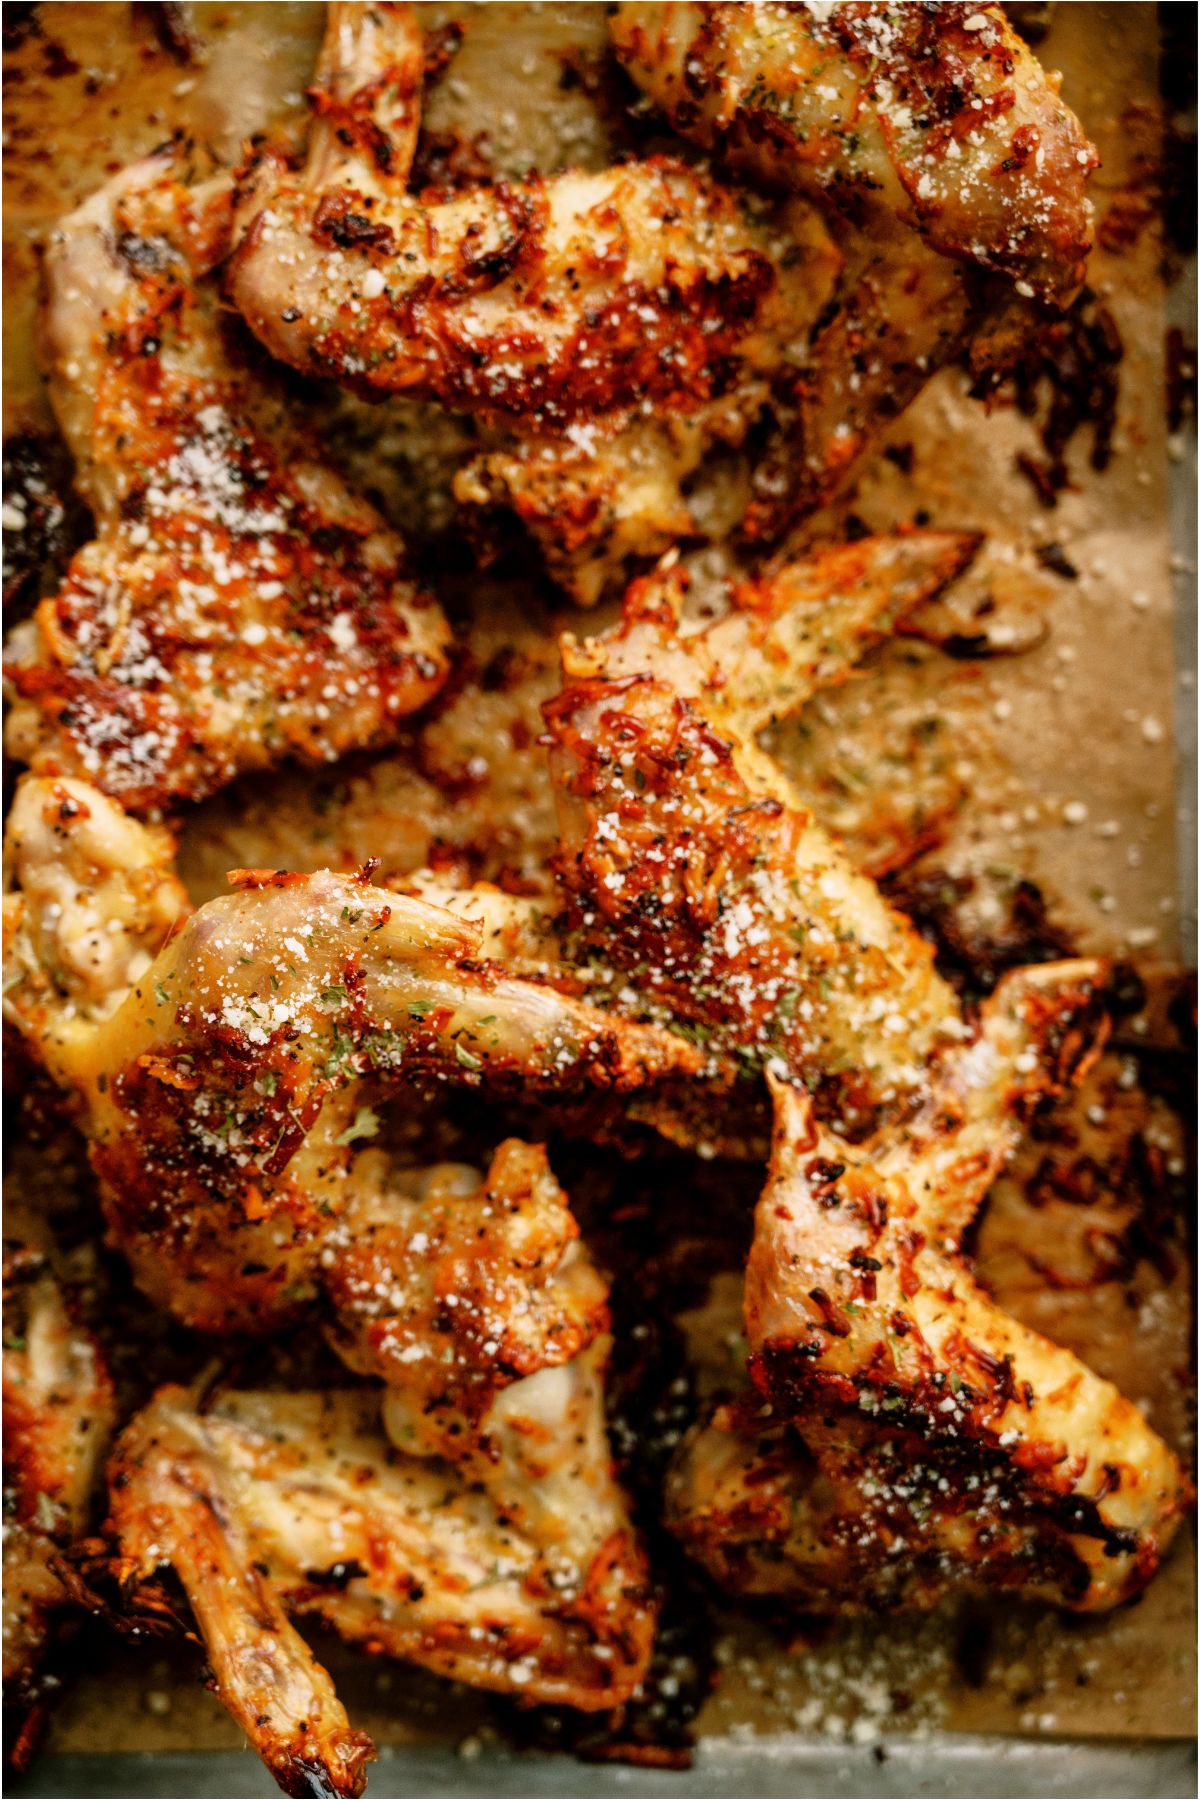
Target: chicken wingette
[(1015, 1463), (488, 1541), (907, 1436), (690, 864), (932, 133)]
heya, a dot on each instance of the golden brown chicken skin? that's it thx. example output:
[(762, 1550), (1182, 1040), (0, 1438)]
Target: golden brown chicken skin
[(228, 1092), (239, 603), (573, 295), (452, 1286), (268, 1505), (833, 1504), (90, 897), (551, 300), (476, 1300), (940, 113), (886, 1524), (488, 1540), (689, 863), (982, 1453), (932, 134)]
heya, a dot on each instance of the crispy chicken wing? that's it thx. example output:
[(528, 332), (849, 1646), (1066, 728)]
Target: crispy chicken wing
[(267, 1504), (58, 1414), (608, 491), (783, 635), (606, 327), (488, 1541), (477, 1302), (687, 859), (954, 1446), (186, 1489), (579, 294), (550, 300), (751, 1505), (226, 1092), (239, 603), (932, 132), (455, 1287), (943, 115)]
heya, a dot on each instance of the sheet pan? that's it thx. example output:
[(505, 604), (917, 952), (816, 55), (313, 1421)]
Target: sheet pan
[(1125, 1730)]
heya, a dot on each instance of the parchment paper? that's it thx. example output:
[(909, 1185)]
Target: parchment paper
[(1066, 750)]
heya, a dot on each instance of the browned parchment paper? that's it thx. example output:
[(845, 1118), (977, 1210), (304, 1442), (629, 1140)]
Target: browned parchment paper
[(1065, 752)]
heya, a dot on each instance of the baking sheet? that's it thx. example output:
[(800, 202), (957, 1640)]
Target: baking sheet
[(1069, 758), (773, 1769)]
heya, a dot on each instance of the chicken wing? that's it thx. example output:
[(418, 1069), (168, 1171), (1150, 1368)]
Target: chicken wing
[(581, 310), (944, 117), (455, 1286), (785, 634), (933, 133), (954, 1446), (90, 897), (476, 1301), (607, 492), (751, 1506), (266, 1504), (688, 861), (224, 1091), (239, 603), (550, 300), (58, 1415)]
